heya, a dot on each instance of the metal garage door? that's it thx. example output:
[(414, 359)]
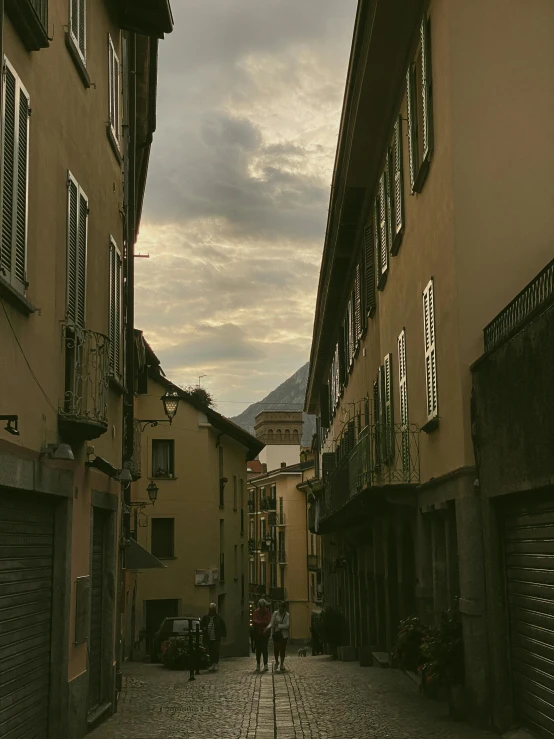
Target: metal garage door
[(96, 621), (529, 542), (26, 565)]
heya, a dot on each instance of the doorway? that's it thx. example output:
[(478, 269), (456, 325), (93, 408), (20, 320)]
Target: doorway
[(155, 612)]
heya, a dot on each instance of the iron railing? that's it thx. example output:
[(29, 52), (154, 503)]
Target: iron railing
[(134, 463), (87, 371), (537, 292), (381, 455)]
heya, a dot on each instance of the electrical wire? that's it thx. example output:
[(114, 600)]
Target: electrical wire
[(35, 378)]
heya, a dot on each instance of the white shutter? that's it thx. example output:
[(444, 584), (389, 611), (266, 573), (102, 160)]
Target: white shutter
[(403, 388), (74, 21), (389, 437), (412, 136), (15, 156), (113, 81), (398, 180), (383, 250), (358, 303), (78, 26), (116, 275), (426, 89), (77, 228), (430, 350)]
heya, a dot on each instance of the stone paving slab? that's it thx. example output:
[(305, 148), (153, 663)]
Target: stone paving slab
[(317, 698)]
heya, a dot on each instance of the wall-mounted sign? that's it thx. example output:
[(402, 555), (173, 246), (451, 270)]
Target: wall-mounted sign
[(206, 577)]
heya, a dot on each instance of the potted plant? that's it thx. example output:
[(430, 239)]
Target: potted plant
[(406, 653)]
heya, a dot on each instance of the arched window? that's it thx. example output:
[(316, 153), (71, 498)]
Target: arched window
[(278, 438), (295, 439), (269, 436), (287, 436)]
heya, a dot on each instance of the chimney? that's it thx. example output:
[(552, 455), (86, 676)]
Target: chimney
[(283, 465)]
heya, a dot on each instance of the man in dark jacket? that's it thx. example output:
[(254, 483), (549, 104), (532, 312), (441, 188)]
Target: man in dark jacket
[(213, 628)]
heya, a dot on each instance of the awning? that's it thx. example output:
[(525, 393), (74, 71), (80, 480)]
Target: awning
[(137, 558)]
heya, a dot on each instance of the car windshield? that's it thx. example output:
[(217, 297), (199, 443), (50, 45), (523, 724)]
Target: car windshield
[(181, 626)]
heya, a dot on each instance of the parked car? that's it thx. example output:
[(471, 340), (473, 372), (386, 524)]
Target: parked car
[(176, 653), (171, 626)]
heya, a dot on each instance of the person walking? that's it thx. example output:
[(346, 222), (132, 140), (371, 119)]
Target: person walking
[(260, 621), (214, 630), (279, 627)]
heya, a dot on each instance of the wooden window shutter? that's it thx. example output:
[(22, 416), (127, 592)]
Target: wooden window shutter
[(83, 28), (15, 156), (369, 244), (358, 303), (389, 436), (116, 274), (403, 388), (389, 194), (114, 73), (74, 21), (412, 123), (398, 199), (328, 464), (383, 254), (426, 102), (430, 350), (82, 259)]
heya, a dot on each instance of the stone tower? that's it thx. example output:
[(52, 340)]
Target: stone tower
[(279, 427)]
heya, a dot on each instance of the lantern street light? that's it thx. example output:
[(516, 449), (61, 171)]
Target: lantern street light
[(152, 491), (170, 400)]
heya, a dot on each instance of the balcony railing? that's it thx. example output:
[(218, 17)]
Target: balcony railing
[(83, 412), (380, 456), (268, 504), (314, 562), (538, 291)]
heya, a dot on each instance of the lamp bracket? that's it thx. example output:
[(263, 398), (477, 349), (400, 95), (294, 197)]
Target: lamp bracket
[(152, 422)]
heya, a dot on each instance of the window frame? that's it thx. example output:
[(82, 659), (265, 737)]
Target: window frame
[(420, 111), (170, 474), (115, 309), (80, 300), (114, 95), (430, 348), (17, 281), (157, 554), (81, 7)]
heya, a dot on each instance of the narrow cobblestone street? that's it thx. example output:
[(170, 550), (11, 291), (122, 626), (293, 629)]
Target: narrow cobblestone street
[(316, 699)]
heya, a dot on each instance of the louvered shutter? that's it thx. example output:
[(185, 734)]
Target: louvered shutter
[(376, 423), (388, 408), (351, 329), (72, 225), (425, 34), (337, 378), (369, 243), (341, 364), (383, 255), (412, 134), (83, 28), (389, 195), (9, 156), (363, 288), (328, 464), (111, 55), (74, 21), (82, 259), (403, 389), (115, 309), (113, 67), (21, 189), (324, 406), (430, 350), (398, 183), (358, 303)]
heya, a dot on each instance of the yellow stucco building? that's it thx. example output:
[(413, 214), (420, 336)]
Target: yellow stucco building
[(197, 527)]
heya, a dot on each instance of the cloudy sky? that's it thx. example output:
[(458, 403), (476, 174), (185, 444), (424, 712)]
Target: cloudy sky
[(249, 100)]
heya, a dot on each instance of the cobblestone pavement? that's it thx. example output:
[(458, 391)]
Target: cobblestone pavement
[(316, 699)]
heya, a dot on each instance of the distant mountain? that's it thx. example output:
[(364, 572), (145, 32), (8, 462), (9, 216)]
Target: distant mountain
[(289, 396)]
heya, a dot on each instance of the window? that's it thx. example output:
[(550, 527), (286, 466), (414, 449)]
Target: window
[(262, 528), (382, 216), (295, 437), (15, 155), (78, 27), (281, 513), (270, 436), (163, 538), (430, 356), (116, 285), (403, 391), (420, 110), (251, 534), (114, 93), (388, 412), (369, 261), (77, 235), (252, 572), (273, 575), (163, 458), (262, 573), (397, 188), (235, 492)]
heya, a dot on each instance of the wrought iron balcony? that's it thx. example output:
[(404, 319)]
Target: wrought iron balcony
[(382, 456), (30, 18), (135, 461), (83, 412), (537, 293), (268, 504)]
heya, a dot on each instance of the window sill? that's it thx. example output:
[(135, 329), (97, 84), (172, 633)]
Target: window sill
[(431, 425), (15, 298), (397, 242), (422, 175), (382, 281), (76, 56), (113, 143), (118, 386), (27, 24)]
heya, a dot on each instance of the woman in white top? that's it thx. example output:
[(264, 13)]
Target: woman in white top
[(279, 627)]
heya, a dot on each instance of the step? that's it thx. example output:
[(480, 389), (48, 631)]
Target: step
[(380, 659)]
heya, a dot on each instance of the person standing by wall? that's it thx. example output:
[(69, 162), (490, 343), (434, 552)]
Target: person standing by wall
[(261, 619), (279, 627), (214, 630)]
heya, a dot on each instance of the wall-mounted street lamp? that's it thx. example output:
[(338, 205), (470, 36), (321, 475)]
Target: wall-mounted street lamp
[(170, 400), (152, 491)]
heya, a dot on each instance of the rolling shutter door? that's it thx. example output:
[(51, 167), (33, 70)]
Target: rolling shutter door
[(26, 566), (97, 585), (529, 546)]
